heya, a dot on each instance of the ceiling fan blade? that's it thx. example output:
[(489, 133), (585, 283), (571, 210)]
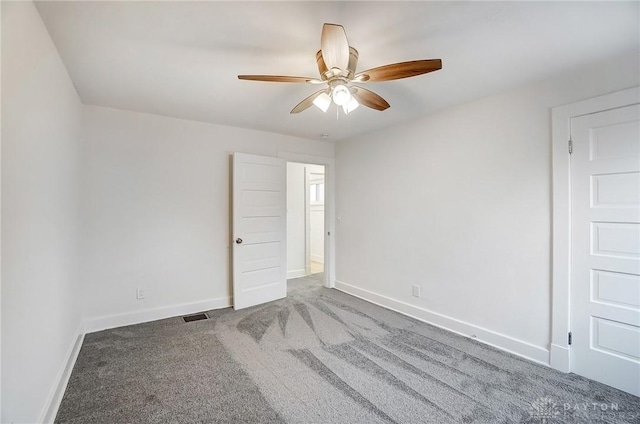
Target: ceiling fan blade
[(369, 98), (306, 103), (279, 78), (334, 46), (399, 70)]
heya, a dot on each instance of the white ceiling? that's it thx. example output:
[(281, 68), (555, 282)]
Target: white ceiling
[(182, 59)]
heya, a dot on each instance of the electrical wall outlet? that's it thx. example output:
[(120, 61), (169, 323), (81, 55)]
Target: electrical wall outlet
[(140, 293), (416, 291)]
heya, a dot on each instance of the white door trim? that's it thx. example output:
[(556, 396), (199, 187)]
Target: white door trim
[(561, 226), (330, 208)]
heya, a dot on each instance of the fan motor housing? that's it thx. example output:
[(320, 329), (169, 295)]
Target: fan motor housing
[(348, 73)]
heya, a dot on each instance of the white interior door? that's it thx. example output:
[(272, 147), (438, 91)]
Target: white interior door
[(259, 229), (605, 272)]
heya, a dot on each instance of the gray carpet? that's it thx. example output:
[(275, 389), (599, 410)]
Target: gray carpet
[(319, 356)]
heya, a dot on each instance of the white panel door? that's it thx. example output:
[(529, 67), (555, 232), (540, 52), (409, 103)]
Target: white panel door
[(605, 272), (259, 224)]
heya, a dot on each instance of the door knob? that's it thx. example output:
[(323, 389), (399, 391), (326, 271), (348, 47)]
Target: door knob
[(239, 240)]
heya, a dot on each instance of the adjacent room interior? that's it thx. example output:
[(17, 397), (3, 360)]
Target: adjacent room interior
[(365, 212), (305, 220)]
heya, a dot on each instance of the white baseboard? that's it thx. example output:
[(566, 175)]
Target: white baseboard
[(296, 273), (92, 325), (492, 338), (560, 358), (120, 320), (62, 379)]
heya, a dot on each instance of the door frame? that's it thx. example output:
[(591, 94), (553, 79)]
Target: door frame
[(329, 208), (559, 355)]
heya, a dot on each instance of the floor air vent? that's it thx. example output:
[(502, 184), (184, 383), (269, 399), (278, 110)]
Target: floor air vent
[(196, 317)]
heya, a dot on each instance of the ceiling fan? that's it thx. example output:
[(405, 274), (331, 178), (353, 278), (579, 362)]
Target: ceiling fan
[(337, 65)]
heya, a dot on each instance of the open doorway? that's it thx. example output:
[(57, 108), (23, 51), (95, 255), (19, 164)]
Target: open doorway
[(305, 221)]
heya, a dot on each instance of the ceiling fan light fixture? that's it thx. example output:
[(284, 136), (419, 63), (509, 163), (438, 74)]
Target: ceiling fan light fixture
[(350, 106), (322, 102), (340, 94), (337, 62)]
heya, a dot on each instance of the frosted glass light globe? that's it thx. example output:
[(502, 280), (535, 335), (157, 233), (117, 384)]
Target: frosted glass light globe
[(340, 95)]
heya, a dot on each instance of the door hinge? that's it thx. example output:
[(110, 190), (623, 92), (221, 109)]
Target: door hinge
[(570, 146), (570, 338)]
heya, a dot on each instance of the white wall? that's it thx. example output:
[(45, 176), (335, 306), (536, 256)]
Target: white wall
[(155, 211), (317, 233), (459, 202), (296, 220), (40, 291)]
